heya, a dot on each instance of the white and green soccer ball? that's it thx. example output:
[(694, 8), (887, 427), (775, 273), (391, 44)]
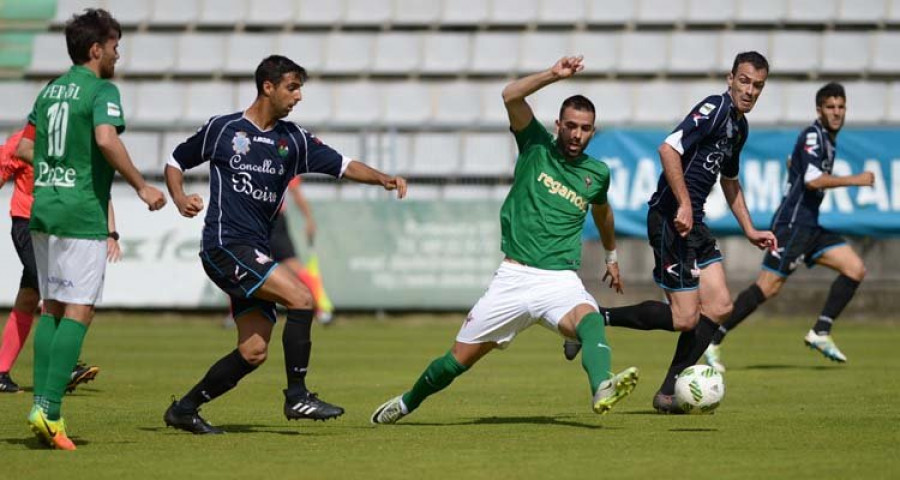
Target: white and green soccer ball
[(699, 389)]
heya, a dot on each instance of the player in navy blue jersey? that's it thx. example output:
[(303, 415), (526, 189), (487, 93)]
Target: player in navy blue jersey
[(253, 155), (801, 238)]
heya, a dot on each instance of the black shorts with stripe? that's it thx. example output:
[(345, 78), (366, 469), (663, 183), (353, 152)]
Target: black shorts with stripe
[(21, 237), (799, 244), (239, 270), (678, 260)]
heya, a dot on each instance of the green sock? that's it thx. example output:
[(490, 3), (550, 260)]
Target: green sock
[(436, 377), (65, 351), (43, 339), (596, 355)]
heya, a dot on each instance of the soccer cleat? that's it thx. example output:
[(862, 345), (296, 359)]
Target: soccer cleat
[(7, 385), (389, 412), (824, 344), (50, 432), (309, 406), (571, 349), (713, 358), (615, 389), (189, 422), (666, 404), (82, 373)]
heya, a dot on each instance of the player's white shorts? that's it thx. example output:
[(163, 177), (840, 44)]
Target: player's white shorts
[(70, 270), (517, 298)]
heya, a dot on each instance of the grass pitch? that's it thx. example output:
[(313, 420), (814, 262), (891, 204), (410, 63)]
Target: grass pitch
[(520, 413)]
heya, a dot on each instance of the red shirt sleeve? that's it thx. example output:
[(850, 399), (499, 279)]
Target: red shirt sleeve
[(28, 132)]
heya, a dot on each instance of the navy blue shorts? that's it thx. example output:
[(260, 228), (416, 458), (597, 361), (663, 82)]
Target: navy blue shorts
[(678, 260), (239, 270), (21, 237), (800, 244)]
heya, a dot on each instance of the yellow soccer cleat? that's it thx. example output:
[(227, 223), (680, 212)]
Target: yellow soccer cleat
[(50, 432)]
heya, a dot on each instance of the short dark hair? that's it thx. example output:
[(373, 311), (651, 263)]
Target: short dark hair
[(830, 89), (578, 102), (754, 58), (273, 67), (95, 25)]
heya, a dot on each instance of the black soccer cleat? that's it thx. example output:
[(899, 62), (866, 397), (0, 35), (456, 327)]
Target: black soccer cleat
[(309, 406), (665, 404), (82, 373), (189, 422), (7, 385)]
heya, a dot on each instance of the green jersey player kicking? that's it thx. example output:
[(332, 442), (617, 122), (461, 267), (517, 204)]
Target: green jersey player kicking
[(541, 222)]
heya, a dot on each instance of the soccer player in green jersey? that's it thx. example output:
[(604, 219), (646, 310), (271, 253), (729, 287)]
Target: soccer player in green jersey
[(541, 220), (78, 118)]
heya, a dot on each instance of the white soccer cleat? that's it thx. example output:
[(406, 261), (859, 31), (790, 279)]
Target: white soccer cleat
[(615, 389), (389, 412), (713, 357), (825, 345)]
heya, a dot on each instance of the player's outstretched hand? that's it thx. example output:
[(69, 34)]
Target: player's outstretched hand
[(152, 196), (684, 220), (565, 67), (396, 183), (764, 240), (190, 205), (615, 279)]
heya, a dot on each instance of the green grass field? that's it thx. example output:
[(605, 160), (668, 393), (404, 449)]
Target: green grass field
[(521, 413)]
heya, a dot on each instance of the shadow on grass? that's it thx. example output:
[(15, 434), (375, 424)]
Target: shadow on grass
[(32, 443), (776, 366), (542, 420), (233, 428), (693, 430)]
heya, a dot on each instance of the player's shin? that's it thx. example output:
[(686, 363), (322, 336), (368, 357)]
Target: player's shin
[(43, 339), (439, 374), (690, 348), (596, 355), (745, 305), (297, 349), (220, 378), (840, 294), (64, 353)]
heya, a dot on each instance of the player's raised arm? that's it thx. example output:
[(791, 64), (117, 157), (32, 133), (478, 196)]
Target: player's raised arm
[(362, 173), (514, 94)]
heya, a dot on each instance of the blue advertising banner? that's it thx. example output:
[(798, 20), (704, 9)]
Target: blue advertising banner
[(865, 211)]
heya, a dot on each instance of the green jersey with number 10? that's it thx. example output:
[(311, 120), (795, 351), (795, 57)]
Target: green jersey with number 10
[(72, 178)]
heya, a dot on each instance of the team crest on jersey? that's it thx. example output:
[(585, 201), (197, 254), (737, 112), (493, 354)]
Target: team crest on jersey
[(240, 143), (588, 182), (282, 148)]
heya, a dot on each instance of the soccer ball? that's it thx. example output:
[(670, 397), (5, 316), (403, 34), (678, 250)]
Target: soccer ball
[(699, 389)]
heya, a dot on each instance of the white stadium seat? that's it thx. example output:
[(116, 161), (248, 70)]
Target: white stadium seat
[(270, 13), (144, 150), (170, 140), (464, 12), (693, 52), (445, 53), (554, 12), (613, 101), (407, 104), (174, 12), (866, 102), (610, 12), (222, 13), (494, 52), (347, 144), (702, 12), (130, 13), (658, 103), (435, 154), (812, 11), (546, 102), (205, 99), (760, 12), (732, 43), (893, 16), (200, 54), (244, 51), (319, 12), (661, 12), (416, 12), (645, 53), (600, 50), (894, 103), (394, 152), (245, 92), (488, 154), (357, 104), (150, 53), (845, 52), (540, 50), (696, 91), (397, 52), (66, 8), (348, 53), (49, 55), (18, 100), (885, 58), (316, 106), (457, 104), (467, 192), (160, 104), (307, 49), (367, 12), (862, 11), (794, 52), (129, 97), (770, 107), (513, 12), (493, 111), (800, 102)]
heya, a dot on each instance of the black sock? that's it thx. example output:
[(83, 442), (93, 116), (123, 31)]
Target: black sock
[(649, 315), (690, 348), (745, 304), (297, 349), (221, 377), (842, 291)]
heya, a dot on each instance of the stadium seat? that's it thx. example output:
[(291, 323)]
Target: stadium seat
[(862, 12), (794, 52), (885, 58), (245, 92), (845, 52), (464, 12), (144, 149), (659, 103), (222, 13), (493, 111), (600, 50), (416, 12), (695, 92), (200, 54), (172, 139), (893, 16), (150, 54), (348, 53), (702, 12), (445, 53), (467, 192), (321, 191), (866, 102), (347, 144), (770, 106), (435, 154), (397, 53), (316, 107), (367, 12), (661, 12), (128, 97), (811, 11), (357, 104), (554, 12), (513, 12), (457, 104), (18, 100), (893, 114), (394, 152), (693, 52), (49, 55), (307, 49), (319, 12), (546, 102), (613, 100), (800, 102), (488, 154), (732, 43), (643, 53), (494, 53), (610, 12), (270, 13), (177, 13), (205, 99), (130, 13), (540, 50), (160, 104), (407, 104), (760, 12), (66, 8), (244, 51)]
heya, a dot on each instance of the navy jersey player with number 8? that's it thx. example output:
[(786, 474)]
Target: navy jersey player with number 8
[(253, 155)]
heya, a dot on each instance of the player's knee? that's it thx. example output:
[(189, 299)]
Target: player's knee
[(300, 299), (684, 321), (857, 271), (255, 354), (719, 311)]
